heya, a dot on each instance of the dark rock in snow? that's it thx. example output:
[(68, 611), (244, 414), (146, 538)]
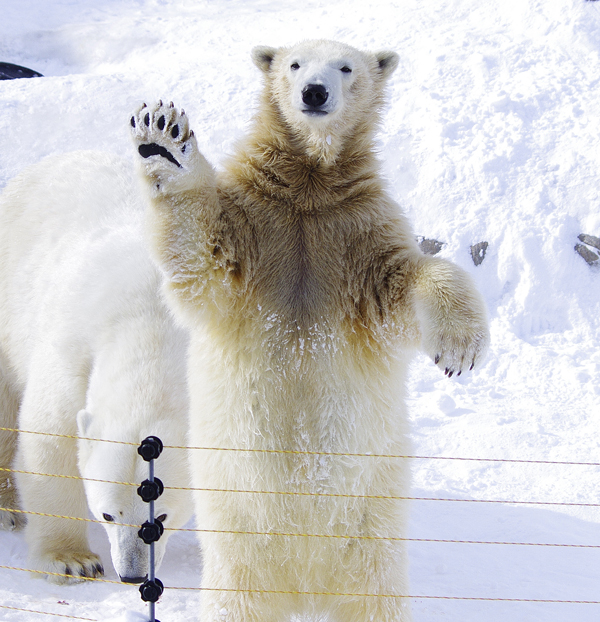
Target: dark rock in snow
[(429, 247), (478, 252), (590, 240), (591, 257), (8, 71)]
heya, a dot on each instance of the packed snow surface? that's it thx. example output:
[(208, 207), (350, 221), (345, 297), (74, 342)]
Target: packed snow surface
[(491, 135)]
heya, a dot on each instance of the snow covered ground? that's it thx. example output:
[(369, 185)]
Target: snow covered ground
[(492, 134)]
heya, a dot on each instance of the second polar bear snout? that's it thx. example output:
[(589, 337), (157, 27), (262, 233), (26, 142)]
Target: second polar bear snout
[(129, 554), (314, 96)]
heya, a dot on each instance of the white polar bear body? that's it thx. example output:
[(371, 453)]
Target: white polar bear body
[(306, 296), (83, 328)]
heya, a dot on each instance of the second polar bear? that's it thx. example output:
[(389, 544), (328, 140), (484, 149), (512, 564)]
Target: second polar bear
[(306, 295), (87, 348)]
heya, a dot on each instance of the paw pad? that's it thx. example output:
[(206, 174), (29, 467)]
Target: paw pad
[(161, 130), (153, 149)]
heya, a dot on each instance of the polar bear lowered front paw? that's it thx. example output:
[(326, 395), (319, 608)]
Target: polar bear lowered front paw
[(306, 295)]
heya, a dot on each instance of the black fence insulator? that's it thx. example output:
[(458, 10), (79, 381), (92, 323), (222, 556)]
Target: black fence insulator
[(150, 448), (151, 532), (150, 490), (151, 590)]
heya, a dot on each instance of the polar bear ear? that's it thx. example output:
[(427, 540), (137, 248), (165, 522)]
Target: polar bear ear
[(387, 61), (263, 56), (84, 422)]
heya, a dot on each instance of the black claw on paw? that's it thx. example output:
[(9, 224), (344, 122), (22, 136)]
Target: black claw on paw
[(175, 131), (437, 359), (472, 365), (98, 569), (450, 374), (147, 119), (161, 123), (459, 373), (153, 149), (446, 371)]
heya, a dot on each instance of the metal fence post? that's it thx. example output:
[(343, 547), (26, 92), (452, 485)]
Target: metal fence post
[(151, 531)]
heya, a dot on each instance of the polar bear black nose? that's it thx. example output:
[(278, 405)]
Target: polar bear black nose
[(314, 95)]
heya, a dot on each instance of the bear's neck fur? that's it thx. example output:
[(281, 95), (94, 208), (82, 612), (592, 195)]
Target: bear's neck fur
[(276, 162)]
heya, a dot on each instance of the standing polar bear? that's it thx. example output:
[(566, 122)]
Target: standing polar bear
[(88, 348), (306, 295)]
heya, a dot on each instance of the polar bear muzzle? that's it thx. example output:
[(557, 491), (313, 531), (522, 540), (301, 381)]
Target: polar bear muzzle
[(314, 96)]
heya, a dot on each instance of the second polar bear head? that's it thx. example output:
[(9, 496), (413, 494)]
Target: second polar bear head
[(324, 91), (117, 505)]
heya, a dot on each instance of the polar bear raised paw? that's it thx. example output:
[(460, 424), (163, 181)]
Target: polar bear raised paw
[(165, 143)]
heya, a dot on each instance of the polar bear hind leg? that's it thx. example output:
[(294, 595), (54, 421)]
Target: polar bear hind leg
[(9, 406)]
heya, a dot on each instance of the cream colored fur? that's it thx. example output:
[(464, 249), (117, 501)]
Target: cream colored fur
[(306, 295), (83, 326)]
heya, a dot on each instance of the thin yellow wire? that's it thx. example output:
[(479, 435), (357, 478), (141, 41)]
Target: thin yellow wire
[(392, 497), (368, 595), (323, 593), (314, 453), (47, 613), (371, 455), (62, 574), (315, 535), (85, 520), (318, 494), (83, 438), (392, 539), (86, 479)]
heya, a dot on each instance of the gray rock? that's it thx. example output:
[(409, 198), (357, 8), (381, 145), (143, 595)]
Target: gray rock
[(478, 252), (591, 257), (430, 247), (590, 240)]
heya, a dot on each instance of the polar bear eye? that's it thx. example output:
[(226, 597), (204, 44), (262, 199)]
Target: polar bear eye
[(108, 518), (162, 518), (346, 69), (295, 66)]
